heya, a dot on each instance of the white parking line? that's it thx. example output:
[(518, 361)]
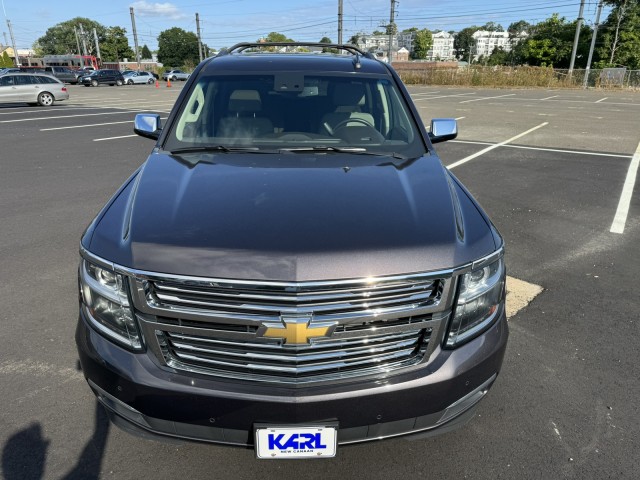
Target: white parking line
[(549, 98), (543, 149), (492, 147), (488, 98), (89, 125), (446, 96), (35, 110), (460, 118), (69, 116), (601, 100), (622, 212), (113, 138)]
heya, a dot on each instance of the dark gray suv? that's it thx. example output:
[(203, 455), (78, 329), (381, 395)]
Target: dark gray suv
[(102, 77), (292, 268)]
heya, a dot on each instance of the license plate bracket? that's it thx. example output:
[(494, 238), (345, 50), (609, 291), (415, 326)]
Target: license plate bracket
[(296, 441)]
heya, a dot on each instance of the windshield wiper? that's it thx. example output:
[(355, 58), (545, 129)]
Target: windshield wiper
[(356, 150), (214, 148)]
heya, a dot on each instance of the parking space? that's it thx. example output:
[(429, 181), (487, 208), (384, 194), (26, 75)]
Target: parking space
[(554, 169)]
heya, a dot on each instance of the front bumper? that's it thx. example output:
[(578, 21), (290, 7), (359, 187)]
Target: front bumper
[(142, 397)]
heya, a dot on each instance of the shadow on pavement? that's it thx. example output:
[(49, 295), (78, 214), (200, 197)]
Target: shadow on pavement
[(25, 453)]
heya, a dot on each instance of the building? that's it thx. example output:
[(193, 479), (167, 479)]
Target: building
[(486, 42), (442, 47)]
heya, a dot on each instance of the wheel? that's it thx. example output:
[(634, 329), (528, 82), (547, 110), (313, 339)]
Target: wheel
[(364, 133), (151, 81), (174, 78), (46, 99), (129, 82), (94, 83), (119, 83)]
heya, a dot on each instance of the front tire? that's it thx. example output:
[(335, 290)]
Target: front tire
[(46, 99), (94, 83), (119, 83), (129, 82), (151, 81)]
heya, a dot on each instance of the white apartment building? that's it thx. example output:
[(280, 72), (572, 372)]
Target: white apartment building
[(442, 48), (487, 41)]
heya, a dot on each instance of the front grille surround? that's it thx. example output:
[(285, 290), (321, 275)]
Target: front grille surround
[(213, 326)]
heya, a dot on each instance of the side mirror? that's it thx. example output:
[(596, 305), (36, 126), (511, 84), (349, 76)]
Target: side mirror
[(147, 125), (443, 129)]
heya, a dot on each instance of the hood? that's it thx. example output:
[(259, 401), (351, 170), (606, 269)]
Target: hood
[(290, 217)]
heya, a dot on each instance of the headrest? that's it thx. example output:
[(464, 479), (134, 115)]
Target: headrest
[(245, 101), (349, 94)]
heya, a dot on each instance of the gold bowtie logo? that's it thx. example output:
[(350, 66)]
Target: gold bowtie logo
[(295, 330)]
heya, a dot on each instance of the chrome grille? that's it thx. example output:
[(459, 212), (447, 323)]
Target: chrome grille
[(265, 361), (216, 327)]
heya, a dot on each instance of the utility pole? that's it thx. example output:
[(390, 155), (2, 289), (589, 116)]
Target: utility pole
[(13, 44), (199, 36), (75, 30), (95, 37), (135, 36), (340, 23), (593, 44), (576, 38), (392, 19), (84, 43)]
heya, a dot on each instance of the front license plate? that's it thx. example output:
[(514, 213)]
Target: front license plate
[(296, 442)]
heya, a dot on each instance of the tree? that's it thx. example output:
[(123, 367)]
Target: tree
[(620, 35), (391, 29), (422, 42), (354, 39), (518, 28), (277, 37), (327, 50), (61, 38), (146, 53), (498, 57), (550, 44), (177, 46), (464, 42), (114, 46), (5, 60), (492, 27)]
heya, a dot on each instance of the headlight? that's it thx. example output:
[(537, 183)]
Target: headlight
[(479, 299), (106, 304)]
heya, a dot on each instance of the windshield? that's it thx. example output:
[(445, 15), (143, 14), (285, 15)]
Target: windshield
[(296, 111)]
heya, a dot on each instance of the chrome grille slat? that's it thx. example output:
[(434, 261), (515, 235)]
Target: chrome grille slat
[(216, 327)]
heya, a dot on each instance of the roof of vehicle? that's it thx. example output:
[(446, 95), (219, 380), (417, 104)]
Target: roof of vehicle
[(240, 59)]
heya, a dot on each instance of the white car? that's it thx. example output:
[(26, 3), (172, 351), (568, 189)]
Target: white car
[(31, 88), (138, 77)]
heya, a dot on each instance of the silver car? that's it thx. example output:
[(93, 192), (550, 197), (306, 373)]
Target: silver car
[(31, 88), (138, 77)]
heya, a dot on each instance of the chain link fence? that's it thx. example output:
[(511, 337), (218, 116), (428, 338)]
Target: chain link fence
[(545, 77)]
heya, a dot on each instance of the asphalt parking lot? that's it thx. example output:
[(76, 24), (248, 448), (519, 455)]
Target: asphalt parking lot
[(554, 169)]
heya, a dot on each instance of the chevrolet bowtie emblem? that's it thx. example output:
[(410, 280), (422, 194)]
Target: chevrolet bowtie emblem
[(295, 330)]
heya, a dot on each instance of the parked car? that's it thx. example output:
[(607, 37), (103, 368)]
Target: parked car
[(174, 75), (292, 268), (63, 74), (100, 77), (30, 88), (9, 70), (131, 78)]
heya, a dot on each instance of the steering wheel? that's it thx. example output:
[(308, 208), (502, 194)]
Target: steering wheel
[(356, 135), (361, 121)]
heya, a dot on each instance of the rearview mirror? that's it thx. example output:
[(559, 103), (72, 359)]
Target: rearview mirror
[(443, 129), (147, 125)]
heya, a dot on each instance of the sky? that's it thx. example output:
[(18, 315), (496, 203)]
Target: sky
[(226, 22)]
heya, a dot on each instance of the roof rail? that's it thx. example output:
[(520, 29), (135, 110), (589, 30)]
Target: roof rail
[(239, 47)]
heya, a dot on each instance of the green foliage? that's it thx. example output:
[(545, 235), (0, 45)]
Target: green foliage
[(391, 29), (114, 46), (619, 37), (550, 43), (177, 46), (464, 41), (492, 27), (145, 53), (277, 37), (519, 27), (5, 60), (61, 38), (422, 42), (498, 57), (354, 39)]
